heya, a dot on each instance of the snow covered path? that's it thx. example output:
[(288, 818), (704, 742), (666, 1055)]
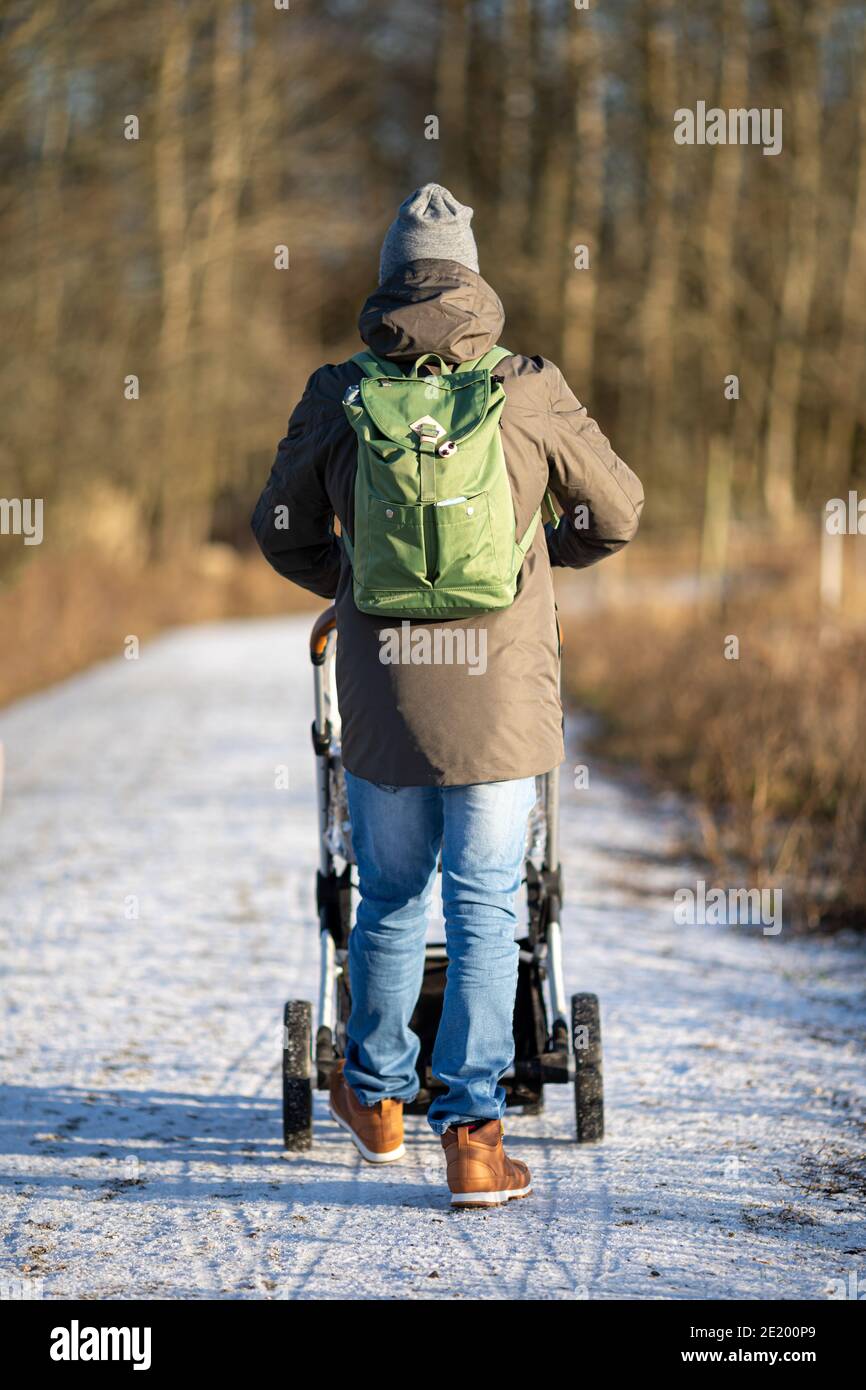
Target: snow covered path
[(141, 1148)]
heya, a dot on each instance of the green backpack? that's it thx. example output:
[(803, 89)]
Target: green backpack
[(434, 517)]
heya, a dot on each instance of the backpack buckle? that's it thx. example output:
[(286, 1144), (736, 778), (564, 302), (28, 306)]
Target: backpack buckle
[(427, 428)]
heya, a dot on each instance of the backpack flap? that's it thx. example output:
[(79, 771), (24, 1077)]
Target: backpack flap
[(456, 405)]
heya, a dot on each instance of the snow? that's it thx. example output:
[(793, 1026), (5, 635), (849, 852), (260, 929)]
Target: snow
[(141, 1107)]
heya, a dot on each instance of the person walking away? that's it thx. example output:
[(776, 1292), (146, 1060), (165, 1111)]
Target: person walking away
[(440, 756)]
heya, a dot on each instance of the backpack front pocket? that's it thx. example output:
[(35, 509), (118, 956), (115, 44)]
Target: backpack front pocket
[(465, 551), (394, 554)]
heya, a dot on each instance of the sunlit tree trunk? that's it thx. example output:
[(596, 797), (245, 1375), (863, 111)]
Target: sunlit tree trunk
[(847, 410), (175, 262), (586, 196), (719, 246), (802, 43), (656, 315), (48, 242), (218, 258)]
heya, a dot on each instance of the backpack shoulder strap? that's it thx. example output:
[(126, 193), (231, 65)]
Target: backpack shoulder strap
[(489, 359), (371, 365), (526, 539)]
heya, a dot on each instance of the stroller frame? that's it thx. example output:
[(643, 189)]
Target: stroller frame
[(564, 1050)]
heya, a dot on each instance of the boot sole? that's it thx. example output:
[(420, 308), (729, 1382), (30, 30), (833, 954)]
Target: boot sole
[(390, 1156), (489, 1199)]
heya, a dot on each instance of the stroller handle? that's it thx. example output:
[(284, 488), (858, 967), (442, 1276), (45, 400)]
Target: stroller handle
[(325, 624)]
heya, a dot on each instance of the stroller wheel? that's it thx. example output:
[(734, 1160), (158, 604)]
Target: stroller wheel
[(588, 1084), (297, 1083)]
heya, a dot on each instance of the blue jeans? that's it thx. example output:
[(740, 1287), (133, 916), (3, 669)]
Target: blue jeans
[(397, 833)]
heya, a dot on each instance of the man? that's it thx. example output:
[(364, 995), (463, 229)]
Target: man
[(442, 756)]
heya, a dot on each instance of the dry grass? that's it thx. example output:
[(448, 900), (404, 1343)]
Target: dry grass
[(64, 612), (770, 745)]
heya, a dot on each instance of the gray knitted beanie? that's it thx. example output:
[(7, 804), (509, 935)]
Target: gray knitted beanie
[(430, 223)]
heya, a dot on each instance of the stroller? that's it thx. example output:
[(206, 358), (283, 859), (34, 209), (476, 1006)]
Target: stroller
[(564, 1048)]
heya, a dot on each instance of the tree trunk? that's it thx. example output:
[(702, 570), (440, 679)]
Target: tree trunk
[(50, 250), (217, 303), (719, 248), (171, 220), (656, 321), (846, 409), (586, 194), (800, 266), (515, 144), (452, 75)]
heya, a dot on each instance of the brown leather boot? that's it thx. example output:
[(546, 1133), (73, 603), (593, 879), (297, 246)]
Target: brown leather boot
[(480, 1173), (376, 1130)]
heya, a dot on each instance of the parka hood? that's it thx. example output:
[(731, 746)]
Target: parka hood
[(432, 306)]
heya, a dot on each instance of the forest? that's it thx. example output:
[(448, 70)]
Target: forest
[(156, 157)]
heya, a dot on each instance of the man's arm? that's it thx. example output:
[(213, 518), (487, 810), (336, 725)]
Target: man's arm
[(601, 498), (293, 519)]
